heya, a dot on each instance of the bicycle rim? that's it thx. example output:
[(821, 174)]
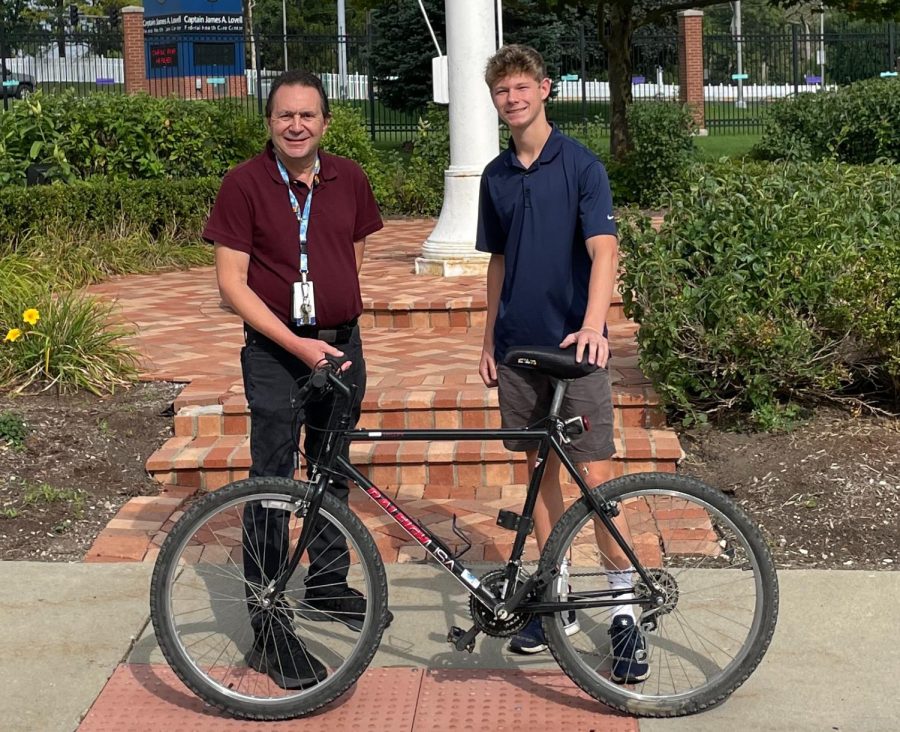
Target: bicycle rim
[(721, 596), (201, 612)]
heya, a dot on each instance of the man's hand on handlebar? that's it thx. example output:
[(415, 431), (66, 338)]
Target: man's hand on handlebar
[(315, 353)]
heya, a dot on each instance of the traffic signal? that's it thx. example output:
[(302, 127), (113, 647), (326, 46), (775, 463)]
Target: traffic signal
[(73, 14), (114, 16)]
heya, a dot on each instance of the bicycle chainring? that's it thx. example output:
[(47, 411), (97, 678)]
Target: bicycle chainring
[(485, 620)]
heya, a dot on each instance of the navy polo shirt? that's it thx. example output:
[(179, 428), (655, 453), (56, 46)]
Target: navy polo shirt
[(539, 219)]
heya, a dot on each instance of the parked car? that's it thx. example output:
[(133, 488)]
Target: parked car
[(16, 84)]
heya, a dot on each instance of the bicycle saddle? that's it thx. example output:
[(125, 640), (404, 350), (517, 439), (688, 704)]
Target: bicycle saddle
[(556, 362)]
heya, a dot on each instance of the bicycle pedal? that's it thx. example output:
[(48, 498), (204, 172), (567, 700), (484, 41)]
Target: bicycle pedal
[(462, 640)]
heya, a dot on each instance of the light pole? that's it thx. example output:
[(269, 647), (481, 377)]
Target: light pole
[(740, 103), (342, 49), (284, 30), (821, 12)]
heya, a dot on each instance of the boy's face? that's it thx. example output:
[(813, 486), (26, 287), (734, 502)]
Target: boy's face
[(519, 99)]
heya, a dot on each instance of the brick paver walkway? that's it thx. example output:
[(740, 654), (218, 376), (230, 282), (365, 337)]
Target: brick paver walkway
[(422, 337)]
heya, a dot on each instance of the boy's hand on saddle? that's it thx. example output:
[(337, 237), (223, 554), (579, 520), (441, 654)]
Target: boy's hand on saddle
[(588, 342)]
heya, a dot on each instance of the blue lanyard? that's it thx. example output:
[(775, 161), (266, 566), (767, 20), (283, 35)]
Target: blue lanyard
[(302, 218)]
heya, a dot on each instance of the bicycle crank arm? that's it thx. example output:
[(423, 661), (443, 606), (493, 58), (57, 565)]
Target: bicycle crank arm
[(462, 640)]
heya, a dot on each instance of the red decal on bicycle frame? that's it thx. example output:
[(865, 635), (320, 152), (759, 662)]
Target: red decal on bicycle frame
[(410, 526)]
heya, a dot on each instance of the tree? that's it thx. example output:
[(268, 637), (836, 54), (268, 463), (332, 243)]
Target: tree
[(401, 53), (617, 21), (402, 46)]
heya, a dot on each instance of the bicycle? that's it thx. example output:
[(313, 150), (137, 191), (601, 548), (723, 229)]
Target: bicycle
[(704, 587)]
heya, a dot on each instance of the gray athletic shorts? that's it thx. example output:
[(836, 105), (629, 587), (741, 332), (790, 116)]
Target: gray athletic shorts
[(525, 397)]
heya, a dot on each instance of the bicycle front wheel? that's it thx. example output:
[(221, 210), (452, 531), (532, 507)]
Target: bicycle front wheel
[(720, 597), (237, 647)]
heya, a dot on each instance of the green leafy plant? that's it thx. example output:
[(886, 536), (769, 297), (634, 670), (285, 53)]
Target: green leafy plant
[(347, 136), (13, 429), (175, 208), (767, 284), (854, 124), (422, 186), (124, 136), (36, 494), (663, 136)]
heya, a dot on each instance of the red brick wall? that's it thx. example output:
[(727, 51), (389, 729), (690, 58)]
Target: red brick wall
[(133, 47), (690, 62), (186, 87)]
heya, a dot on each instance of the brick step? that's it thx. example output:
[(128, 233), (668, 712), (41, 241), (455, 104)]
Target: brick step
[(210, 462), (469, 407), (468, 311), (428, 360)]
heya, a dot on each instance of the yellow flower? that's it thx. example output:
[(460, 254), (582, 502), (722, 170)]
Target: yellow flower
[(13, 335), (31, 316)]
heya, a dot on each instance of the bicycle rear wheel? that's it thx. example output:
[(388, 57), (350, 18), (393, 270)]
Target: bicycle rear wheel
[(720, 587), (204, 591)]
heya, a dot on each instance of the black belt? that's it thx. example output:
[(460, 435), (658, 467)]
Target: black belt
[(336, 334)]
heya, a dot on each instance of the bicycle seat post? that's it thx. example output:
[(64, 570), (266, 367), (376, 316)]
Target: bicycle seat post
[(559, 394)]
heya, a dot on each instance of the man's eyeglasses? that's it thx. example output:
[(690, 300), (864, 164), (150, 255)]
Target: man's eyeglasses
[(286, 118)]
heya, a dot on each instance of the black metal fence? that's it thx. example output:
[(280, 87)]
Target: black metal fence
[(742, 75), (86, 61), (581, 90)]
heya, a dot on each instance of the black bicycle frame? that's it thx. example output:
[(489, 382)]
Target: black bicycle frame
[(549, 436)]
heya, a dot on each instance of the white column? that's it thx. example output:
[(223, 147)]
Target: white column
[(474, 141)]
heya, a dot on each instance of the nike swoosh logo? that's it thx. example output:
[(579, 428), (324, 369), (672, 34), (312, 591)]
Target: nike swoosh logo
[(609, 217)]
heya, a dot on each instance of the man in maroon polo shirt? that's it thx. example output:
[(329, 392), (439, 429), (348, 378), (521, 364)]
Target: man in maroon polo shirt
[(289, 228)]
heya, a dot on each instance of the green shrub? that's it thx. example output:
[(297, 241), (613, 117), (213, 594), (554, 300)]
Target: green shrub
[(853, 124), (662, 136), (765, 284), (124, 136), (179, 207), (422, 187), (347, 136), (662, 149)]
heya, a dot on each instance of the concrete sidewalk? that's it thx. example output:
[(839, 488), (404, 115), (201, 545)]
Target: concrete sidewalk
[(833, 665)]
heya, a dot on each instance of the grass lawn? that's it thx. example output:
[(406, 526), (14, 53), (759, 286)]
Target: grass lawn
[(715, 146)]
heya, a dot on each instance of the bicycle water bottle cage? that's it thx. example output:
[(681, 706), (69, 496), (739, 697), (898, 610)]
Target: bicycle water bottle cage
[(557, 362)]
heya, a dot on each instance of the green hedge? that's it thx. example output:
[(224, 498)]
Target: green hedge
[(662, 136), (137, 137), (179, 207), (766, 284), (854, 124)]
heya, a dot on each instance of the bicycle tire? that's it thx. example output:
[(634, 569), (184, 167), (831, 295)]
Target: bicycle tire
[(198, 601), (707, 565)]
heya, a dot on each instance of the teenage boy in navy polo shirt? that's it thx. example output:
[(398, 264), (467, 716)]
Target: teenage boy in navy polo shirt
[(546, 218), (293, 214)]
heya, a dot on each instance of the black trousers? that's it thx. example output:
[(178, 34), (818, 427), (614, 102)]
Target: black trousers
[(270, 378)]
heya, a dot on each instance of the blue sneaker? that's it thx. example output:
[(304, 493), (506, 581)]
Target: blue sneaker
[(531, 638), (629, 651)]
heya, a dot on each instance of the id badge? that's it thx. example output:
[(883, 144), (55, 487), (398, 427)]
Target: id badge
[(303, 304)]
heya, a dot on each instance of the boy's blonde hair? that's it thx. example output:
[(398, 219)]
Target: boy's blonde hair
[(514, 59)]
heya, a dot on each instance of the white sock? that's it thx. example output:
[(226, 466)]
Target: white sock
[(622, 579)]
